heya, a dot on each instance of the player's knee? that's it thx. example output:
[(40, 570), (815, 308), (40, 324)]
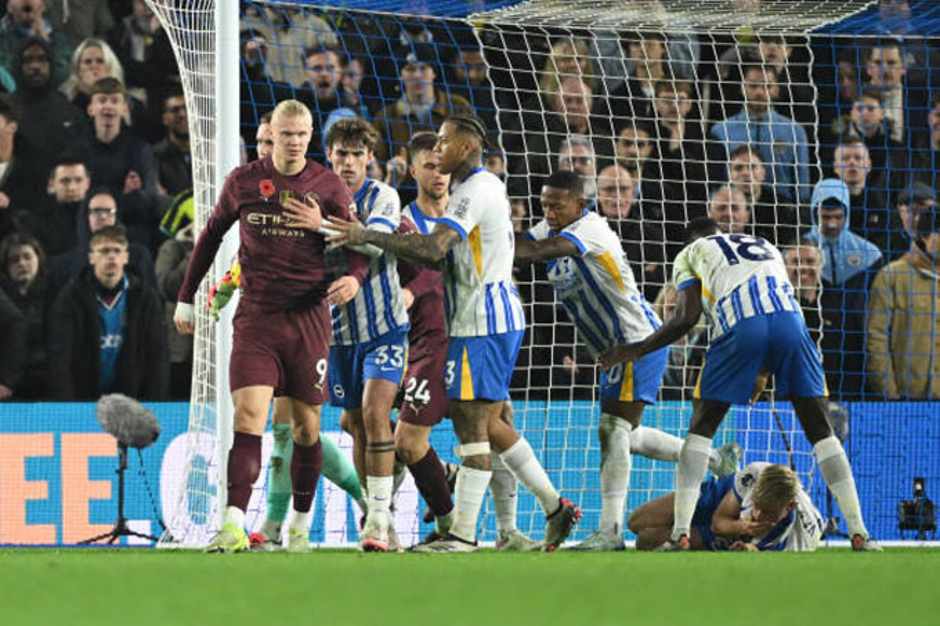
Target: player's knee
[(304, 434), (410, 446), (349, 423)]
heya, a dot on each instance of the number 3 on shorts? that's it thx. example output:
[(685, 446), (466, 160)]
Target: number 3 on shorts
[(449, 373)]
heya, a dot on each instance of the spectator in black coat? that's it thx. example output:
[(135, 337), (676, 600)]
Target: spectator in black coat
[(173, 157), (50, 123), (99, 212), (21, 183), (13, 339), (118, 158), (22, 269), (55, 221), (106, 330)]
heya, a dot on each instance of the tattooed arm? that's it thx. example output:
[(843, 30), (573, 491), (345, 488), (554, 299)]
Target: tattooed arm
[(426, 250)]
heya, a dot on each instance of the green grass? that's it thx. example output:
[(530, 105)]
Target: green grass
[(134, 587)]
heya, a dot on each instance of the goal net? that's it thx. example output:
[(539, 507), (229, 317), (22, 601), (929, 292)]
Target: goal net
[(671, 110)]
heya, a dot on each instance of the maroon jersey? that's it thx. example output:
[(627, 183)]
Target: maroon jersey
[(282, 268), (428, 332)]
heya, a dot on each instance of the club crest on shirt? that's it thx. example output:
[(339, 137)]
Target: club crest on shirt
[(310, 197), (286, 194)]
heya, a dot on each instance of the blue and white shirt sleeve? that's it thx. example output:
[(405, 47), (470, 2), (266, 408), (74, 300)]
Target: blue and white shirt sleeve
[(586, 235), (683, 275), (539, 232), (463, 214), (385, 215)]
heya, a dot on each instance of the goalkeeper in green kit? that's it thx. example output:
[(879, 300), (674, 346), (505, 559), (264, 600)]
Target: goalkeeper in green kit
[(336, 467)]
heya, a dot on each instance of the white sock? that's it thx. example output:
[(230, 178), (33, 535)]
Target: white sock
[(380, 497), (301, 521), (660, 445), (271, 529), (468, 497), (503, 488), (614, 434), (521, 461), (835, 470), (234, 516), (693, 463)]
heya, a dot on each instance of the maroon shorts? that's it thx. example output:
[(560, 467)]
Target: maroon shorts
[(287, 350), (424, 401)]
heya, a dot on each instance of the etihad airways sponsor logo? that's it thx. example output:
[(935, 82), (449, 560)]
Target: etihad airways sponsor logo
[(275, 225)]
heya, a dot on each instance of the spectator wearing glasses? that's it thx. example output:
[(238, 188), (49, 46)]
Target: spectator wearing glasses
[(642, 238), (577, 155), (106, 330), (99, 212), (172, 154)]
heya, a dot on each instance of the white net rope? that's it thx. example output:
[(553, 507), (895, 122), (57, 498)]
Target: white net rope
[(614, 90)]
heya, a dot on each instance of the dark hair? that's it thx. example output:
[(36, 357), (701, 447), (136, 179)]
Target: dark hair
[(312, 50), (421, 142), (173, 91), (567, 180), (700, 227), (468, 123), (745, 149), (638, 125), (751, 59), (107, 85), (16, 239), (353, 131), (8, 109), (111, 233), (266, 118), (831, 204), (70, 158), (927, 223), (874, 93)]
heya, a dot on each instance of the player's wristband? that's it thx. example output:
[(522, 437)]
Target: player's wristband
[(185, 313)]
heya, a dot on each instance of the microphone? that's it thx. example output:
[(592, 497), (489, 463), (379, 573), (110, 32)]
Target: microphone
[(127, 420)]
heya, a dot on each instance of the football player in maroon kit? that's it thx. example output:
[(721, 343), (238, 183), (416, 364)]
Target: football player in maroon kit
[(282, 324)]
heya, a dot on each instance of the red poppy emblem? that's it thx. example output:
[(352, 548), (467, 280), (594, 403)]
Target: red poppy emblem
[(266, 187)]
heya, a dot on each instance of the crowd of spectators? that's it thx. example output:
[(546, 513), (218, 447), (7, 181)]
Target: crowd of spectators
[(834, 161)]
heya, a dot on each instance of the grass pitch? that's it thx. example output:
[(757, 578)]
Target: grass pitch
[(136, 587)]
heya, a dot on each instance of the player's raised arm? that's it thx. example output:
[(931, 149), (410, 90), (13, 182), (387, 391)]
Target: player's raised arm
[(688, 311), (422, 249), (564, 204)]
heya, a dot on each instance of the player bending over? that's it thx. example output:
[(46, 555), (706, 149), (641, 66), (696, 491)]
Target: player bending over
[(755, 325), (761, 507), (336, 467), (591, 277), (282, 322), (485, 324)]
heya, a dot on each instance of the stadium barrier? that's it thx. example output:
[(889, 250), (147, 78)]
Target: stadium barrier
[(58, 483)]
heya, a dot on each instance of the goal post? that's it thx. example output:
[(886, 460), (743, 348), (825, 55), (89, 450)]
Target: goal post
[(652, 100)]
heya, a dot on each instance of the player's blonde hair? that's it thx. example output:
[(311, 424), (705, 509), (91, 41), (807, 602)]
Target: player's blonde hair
[(777, 486), (291, 108)]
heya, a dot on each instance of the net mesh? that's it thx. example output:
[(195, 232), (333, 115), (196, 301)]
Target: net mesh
[(728, 108)]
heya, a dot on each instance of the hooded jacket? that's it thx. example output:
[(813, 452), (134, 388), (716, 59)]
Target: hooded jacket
[(846, 255)]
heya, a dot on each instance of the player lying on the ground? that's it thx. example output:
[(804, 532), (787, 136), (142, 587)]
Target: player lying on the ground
[(592, 279), (474, 241), (282, 326), (760, 507), (755, 325)]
